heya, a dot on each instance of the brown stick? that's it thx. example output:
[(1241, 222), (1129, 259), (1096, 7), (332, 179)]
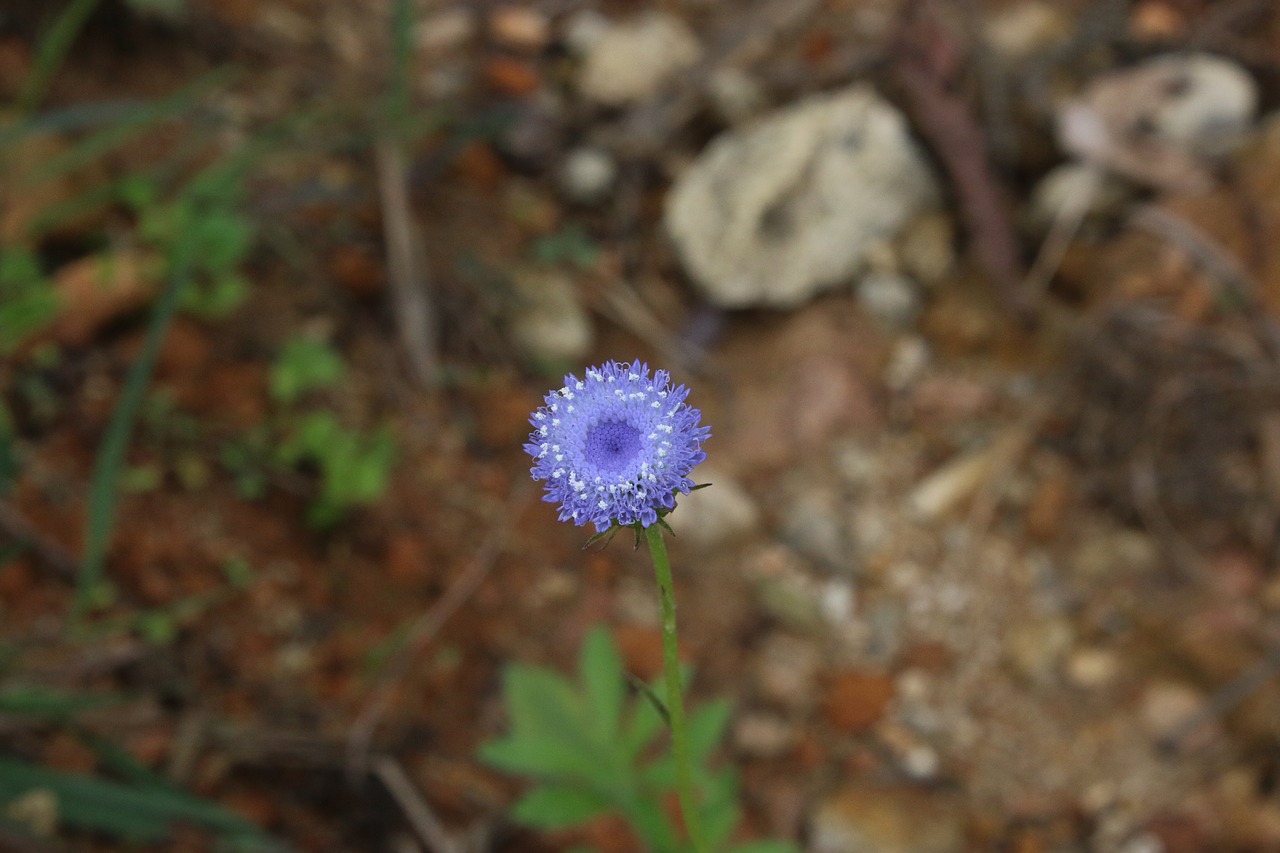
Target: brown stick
[(406, 263), (926, 60), (425, 629)]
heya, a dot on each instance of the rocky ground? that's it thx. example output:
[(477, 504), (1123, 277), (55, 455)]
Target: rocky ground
[(979, 299)]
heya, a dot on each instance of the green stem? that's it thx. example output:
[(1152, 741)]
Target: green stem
[(675, 703)]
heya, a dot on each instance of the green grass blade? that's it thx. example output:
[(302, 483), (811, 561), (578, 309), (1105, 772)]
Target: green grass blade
[(130, 124), (146, 815), (104, 490), (53, 48)]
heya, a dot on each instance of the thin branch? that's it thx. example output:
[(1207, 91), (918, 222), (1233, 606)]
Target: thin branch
[(427, 626), (424, 822), (406, 264)]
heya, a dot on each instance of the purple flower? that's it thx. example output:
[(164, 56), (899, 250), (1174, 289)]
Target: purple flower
[(615, 447)]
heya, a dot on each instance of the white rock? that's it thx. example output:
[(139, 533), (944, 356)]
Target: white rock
[(892, 299), (1212, 107), (775, 213), (926, 248), (1092, 667), (583, 30), (446, 30), (907, 363), (1158, 122), (762, 735), (631, 60), (1036, 650), (838, 600), (735, 95), (715, 515), (898, 819), (549, 324), (1074, 189), (1022, 30), (787, 670), (814, 526), (1169, 707), (587, 174)]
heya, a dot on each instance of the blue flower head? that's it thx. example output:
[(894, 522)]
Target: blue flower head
[(616, 446)]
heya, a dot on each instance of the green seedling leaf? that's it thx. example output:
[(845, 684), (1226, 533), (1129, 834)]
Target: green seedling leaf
[(554, 807), (217, 298), (720, 810), (542, 702), (527, 756), (158, 627), (707, 726), (766, 847), (238, 572), (304, 365), (602, 679), (548, 728)]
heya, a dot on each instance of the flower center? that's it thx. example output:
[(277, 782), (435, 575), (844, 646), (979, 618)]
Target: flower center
[(612, 445)]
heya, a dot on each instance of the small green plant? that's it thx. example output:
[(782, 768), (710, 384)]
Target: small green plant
[(214, 224), (593, 750), (570, 246), (304, 365), (354, 467)]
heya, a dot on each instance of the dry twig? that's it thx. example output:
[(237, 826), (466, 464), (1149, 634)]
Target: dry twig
[(424, 822), (427, 626), (406, 263), (927, 63)]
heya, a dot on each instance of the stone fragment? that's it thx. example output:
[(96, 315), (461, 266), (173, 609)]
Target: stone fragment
[(763, 735), (1019, 31), (1164, 121), (1167, 709), (1092, 667), (891, 298), (718, 514), (735, 95), (1075, 191), (520, 27), (445, 30), (926, 248), (891, 819), (631, 60), (1036, 650), (789, 206), (787, 671), (587, 174), (856, 700), (550, 325)]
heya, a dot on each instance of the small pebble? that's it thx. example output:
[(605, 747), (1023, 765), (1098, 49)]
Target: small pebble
[(520, 27), (587, 175), (763, 735), (891, 298), (1091, 668)]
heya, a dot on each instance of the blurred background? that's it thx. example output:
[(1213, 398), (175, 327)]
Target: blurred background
[(978, 296)]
